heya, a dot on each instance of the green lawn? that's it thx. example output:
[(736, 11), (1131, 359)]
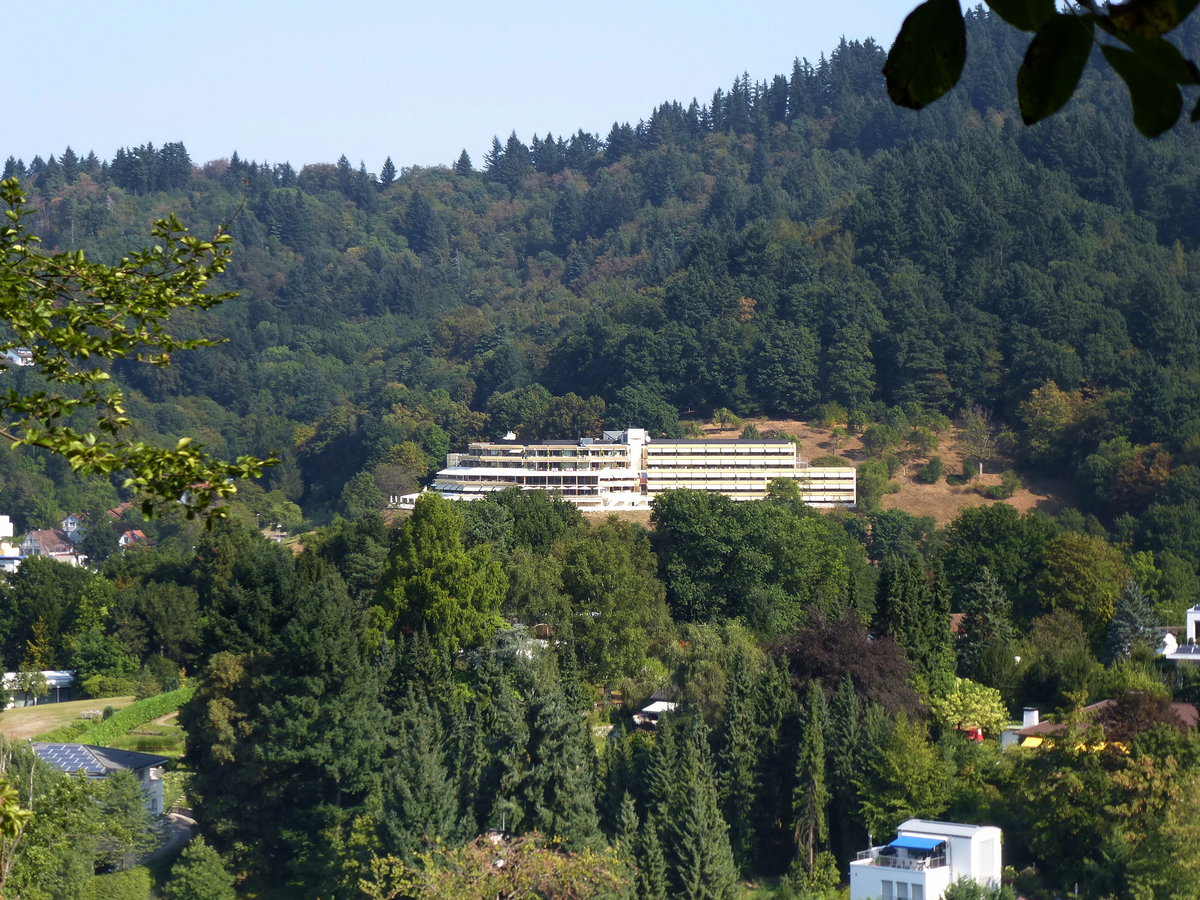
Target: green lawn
[(31, 721), (162, 737)]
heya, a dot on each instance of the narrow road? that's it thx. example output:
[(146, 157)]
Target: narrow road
[(177, 831)]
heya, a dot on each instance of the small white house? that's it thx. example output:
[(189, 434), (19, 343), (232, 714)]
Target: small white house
[(1187, 649), (100, 762), (925, 859), (649, 716), (10, 553)]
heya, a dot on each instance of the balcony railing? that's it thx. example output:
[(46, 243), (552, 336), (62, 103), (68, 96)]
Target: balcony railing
[(935, 861)]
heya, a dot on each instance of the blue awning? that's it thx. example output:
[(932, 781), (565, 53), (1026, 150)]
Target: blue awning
[(907, 842)]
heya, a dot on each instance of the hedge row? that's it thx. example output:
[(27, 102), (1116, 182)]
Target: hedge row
[(132, 884), (122, 721)]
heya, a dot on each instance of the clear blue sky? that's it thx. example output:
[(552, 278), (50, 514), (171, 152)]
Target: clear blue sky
[(306, 82)]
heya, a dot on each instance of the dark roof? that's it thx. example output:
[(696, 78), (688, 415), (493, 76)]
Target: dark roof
[(1188, 715), (92, 760)]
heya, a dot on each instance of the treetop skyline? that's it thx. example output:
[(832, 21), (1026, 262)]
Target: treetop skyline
[(418, 84)]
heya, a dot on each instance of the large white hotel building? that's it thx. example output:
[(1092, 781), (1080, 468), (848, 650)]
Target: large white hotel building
[(627, 469)]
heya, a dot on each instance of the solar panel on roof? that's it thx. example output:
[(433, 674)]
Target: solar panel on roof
[(70, 758)]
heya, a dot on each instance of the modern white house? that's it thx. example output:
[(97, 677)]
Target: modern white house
[(10, 553), (925, 858), (1187, 648), (627, 469)]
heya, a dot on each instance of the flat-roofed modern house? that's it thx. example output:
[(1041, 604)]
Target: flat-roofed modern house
[(925, 859), (626, 469)]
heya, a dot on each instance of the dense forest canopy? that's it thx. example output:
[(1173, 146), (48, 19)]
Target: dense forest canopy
[(789, 243), (372, 702)]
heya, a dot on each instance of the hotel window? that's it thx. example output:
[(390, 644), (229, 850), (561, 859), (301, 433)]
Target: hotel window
[(918, 892), (887, 891), (901, 890)]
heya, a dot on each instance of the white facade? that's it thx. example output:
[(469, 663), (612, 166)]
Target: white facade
[(925, 859), (1187, 648), (626, 469)]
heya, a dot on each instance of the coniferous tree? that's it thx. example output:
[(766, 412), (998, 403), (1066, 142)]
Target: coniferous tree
[(127, 831), (424, 227), (504, 733), (738, 763), (433, 582), (903, 776), (1132, 625), (626, 835), (559, 786), (493, 160), (916, 613), (515, 164), (70, 166), (652, 882), (660, 784), (468, 762), (986, 631), (420, 800), (462, 165), (625, 839), (701, 858), (844, 747), (309, 702), (387, 174), (776, 703), (811, 795)]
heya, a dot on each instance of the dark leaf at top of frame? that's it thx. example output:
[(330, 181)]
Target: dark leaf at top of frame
[(1165, 57), (1028, 15), (1150, 18), (1157, 100), (1052, 66), (928, 56)]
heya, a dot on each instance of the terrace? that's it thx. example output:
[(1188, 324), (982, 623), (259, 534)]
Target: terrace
[(907, 852)]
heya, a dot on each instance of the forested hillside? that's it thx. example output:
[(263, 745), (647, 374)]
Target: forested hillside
[(371, 704), (788, 243)]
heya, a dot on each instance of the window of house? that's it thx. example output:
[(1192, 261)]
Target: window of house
[(902, 890), (918, 892), (887, 891)]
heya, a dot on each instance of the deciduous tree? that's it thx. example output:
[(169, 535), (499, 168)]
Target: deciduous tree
[(72, 314)]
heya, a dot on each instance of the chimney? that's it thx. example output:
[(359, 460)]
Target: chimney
[(1029, 717)]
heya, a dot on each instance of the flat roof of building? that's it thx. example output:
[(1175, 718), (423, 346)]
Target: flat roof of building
[(608, 442), (781, 441), (944, 829)]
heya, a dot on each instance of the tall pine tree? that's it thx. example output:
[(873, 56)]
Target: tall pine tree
[(985, 633), (810, 797)]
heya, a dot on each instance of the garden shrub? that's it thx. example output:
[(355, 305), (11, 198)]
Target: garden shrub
[(132, 884)]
